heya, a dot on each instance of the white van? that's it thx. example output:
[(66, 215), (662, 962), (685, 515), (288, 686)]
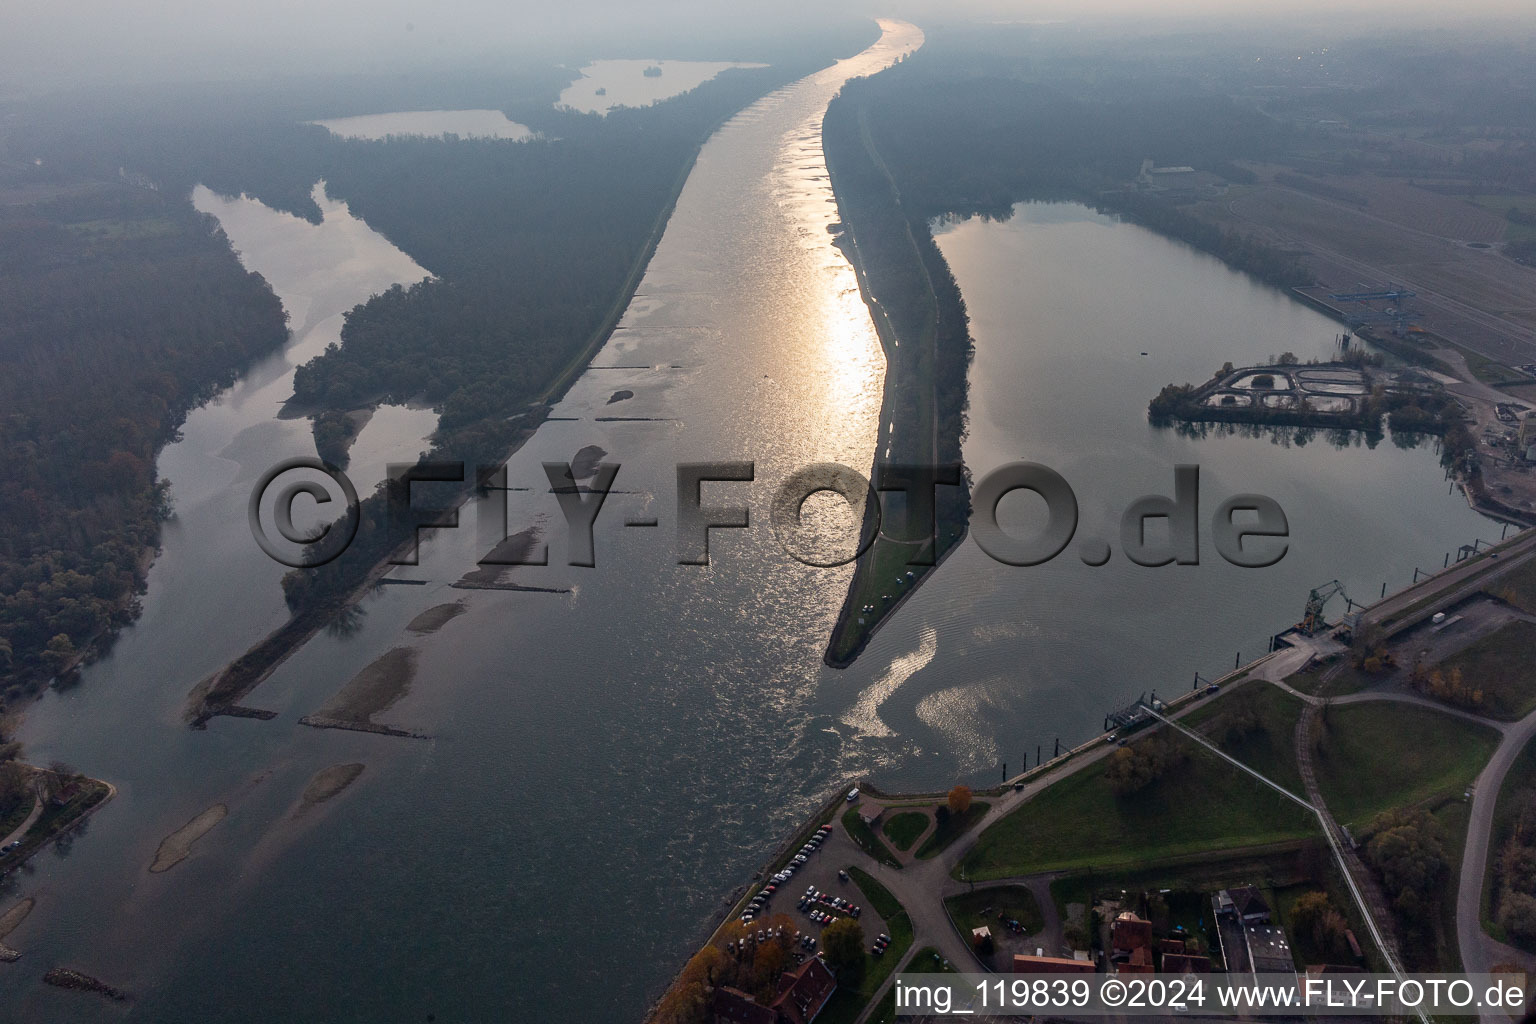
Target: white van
[(853, 794)]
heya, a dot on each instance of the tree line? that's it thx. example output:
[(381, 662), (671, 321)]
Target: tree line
[(120, 310)]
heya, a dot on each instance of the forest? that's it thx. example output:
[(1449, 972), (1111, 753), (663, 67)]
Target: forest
[(120, 310), (977, 144)]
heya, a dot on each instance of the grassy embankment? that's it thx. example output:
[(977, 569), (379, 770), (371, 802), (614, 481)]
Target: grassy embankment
[(1499, 665), (1081, 824), (926, 344), (1348, 679), (1256, 725), (1381, 756)]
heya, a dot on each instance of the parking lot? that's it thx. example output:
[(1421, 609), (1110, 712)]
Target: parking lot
[(822, 873)]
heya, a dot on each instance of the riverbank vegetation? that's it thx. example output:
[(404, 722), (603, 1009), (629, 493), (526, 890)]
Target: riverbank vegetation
[(973, 143), (1408, 411), (121, 309), (1509, 897), (920, 317)]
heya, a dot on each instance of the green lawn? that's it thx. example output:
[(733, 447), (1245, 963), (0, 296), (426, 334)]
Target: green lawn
[(880, 899), (1500, 665), (903, 829), (868, 842), (1384, 755), (971, 910), (1267, 742), (849, 1001), (952, 828), (925, 961), (1079, 823), (1348, 679)]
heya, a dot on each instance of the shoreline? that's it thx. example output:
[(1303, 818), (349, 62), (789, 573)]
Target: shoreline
[(899, 368)]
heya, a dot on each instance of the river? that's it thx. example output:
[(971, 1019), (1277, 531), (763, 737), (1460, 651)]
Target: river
[(606, 762)]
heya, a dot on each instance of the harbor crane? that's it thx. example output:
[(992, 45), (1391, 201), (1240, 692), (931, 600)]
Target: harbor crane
[(1312, 622)]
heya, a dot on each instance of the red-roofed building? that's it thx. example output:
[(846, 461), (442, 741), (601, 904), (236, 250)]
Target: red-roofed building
[(733, 1006), (1140, 962), (804, 991), (1186, 963), (1129, 932), (1050, 965)]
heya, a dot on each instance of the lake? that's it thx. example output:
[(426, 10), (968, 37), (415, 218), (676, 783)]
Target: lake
[(468, 124), (606, 84)]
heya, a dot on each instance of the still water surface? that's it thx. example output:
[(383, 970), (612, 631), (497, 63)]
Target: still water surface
[(606, 84), (468, 124), (607, 762)]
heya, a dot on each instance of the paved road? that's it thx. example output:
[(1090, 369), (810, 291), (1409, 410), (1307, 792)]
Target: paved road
[(1457, 582), (37, 810), (1474, 860)]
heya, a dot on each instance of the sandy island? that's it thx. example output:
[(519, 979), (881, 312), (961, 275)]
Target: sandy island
[(498, 564), (327, 782), (586, 460), (385, 680), (175, 847), (9, 922), (435, 618)]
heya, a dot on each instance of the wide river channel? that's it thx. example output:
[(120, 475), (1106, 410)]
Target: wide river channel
[(612, 754)]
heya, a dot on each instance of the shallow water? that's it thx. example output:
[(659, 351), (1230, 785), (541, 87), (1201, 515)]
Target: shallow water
[(469, 124), (605, 84)]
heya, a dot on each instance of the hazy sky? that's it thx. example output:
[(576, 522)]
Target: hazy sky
[(49, 42)]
